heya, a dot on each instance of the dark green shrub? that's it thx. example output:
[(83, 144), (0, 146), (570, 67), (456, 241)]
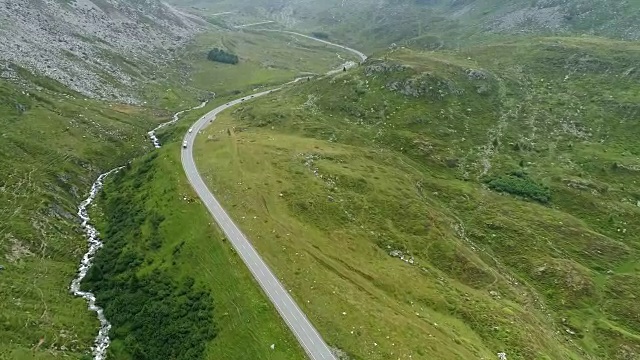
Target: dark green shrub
[(222, 56), (320, 35), (520, 184)]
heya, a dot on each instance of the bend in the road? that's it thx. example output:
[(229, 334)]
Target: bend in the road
[(304, 331), (306, 334), (361, 55)]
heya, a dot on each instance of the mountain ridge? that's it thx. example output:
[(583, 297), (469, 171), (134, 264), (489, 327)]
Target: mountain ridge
[(443, 23)]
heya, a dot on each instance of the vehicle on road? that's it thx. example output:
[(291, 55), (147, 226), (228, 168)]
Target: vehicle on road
[(190, 130), (184, 144)]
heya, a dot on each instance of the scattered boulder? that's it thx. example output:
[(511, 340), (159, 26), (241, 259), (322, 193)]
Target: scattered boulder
[(340, 354), (20, 108), (17, 251), (56, 210), (402, 256), (474, 74)]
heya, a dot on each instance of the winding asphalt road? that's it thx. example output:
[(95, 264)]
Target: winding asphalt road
[(299, 324), (304, 331), (362, 56)]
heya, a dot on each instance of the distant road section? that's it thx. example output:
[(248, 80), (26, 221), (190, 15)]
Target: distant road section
[(362, 56), (222, 13), (304, 331), (255, 24)]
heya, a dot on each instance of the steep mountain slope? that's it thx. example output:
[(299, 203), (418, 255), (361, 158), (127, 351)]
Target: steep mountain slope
[(437, 23), (448, 205), (100, 48)]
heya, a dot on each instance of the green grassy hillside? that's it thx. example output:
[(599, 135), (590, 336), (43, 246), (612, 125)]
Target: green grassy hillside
[(266, 59), (429, 205), (450, 204), (53, 145), (171, 286)]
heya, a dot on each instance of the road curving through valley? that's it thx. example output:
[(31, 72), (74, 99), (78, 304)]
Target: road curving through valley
[(304, 331)]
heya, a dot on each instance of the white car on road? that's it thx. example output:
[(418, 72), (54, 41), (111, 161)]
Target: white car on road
[(184, 144)]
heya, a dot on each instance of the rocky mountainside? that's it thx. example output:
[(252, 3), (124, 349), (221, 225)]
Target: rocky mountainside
[(442, 23), (616, 19), (95, 47)]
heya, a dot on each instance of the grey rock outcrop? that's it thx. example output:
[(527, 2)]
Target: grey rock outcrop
[(425, 85), (383, 67)]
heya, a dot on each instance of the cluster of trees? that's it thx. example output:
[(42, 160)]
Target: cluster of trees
[(518, 183), (222, 56), (154, 313)]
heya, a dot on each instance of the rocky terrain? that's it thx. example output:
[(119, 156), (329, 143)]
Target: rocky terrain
[(437, 23), (95, 47)]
